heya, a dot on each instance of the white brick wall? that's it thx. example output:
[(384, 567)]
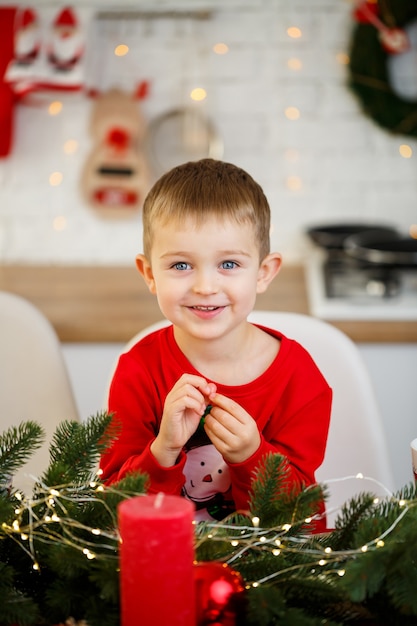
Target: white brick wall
[(348, 167)]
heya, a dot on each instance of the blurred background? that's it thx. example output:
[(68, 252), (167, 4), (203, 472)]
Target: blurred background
[(271, 79)]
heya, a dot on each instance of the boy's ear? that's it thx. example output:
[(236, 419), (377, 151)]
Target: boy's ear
[(268, 269), (145, 269)]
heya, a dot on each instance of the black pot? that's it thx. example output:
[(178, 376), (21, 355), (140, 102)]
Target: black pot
[(383, 249), (333, 236)]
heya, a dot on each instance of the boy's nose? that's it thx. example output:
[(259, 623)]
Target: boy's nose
[(205, 283)]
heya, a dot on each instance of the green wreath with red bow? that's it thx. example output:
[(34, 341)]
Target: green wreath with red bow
[(379, 32)]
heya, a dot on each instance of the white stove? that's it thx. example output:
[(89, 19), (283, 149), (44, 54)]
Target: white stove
[(338, 289)]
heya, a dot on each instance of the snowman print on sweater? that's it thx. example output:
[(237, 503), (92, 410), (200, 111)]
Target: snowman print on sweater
[(207, 479)]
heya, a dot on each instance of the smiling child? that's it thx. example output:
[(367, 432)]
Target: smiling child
[(206, 257)]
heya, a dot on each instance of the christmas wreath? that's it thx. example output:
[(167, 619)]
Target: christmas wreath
[(59, 546), (379, 32)]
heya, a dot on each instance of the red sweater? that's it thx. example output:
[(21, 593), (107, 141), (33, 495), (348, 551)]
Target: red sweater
[(290, 403)]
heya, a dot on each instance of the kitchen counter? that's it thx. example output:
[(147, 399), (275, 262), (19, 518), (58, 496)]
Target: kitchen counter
[(100, 304)]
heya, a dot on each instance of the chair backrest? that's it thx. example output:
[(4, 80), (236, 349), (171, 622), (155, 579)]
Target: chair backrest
[(356, 443), (34, 382)]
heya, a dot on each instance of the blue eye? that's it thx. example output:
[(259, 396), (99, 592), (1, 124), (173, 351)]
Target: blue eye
[(181, 266), (228, 265)]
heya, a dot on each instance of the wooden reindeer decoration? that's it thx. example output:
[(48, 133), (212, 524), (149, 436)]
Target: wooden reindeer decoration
[(116, 175)]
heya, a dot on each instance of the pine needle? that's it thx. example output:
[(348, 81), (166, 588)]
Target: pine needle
[(17, 445)]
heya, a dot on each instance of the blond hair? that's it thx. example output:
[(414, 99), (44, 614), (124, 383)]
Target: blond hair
[(202, 189)]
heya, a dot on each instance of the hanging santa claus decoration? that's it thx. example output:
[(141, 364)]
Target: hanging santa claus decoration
[(41, 49)]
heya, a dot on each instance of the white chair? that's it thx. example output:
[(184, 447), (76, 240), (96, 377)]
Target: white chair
[(34, 383), (356, 443)]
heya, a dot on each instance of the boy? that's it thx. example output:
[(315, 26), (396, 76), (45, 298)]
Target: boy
[(206, 257)]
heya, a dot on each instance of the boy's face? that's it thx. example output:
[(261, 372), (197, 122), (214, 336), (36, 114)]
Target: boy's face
[(206, 278)]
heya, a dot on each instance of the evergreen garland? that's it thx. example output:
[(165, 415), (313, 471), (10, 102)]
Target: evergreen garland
[(368, 73), (59, 547)]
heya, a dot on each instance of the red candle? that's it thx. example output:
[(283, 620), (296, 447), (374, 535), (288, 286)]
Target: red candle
[(156, 561)]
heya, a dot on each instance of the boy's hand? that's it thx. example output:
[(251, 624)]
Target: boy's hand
[(231, 429), (184, 406)]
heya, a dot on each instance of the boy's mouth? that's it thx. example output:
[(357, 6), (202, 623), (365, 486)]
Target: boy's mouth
[(205, 308)]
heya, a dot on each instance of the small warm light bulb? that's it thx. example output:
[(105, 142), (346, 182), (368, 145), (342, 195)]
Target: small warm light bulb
[(96, 531), (292, 113), (402, 502), (121, 50), (35, 566), (276, 552), (70, 146), (256, 521), (341, 572), (234, 543), (59, 223), (327, 550), (413, 231), (294, 32), (221, 48), (294, 183), (286, 527), (294, 64), (198, 94), (364, 549), (342, 58), (262, 539), (405, 151), (55, 179), (322, 562), (55, 107), (359, 475), (380, 544)]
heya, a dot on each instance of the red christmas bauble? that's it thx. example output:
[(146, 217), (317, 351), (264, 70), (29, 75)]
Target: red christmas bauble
[(219, 594)]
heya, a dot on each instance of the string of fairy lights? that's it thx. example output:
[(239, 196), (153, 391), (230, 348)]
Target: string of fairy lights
[(54, 525)]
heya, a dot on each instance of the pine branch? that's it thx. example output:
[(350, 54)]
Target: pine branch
[(75, 450), (267, 487), (274, 502), (350, 518), (17, 444)]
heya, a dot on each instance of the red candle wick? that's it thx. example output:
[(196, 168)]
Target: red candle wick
[(159, 498)]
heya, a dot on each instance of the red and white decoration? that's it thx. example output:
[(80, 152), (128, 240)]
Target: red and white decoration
[(116, 175), (49, 49)]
